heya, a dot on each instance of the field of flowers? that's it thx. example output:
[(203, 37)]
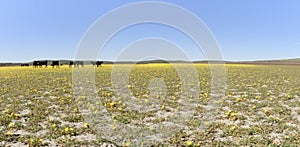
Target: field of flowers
[(261, 106)]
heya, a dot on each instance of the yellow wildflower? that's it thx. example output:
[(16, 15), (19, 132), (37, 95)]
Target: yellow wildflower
[(189, 143), (86, 125)]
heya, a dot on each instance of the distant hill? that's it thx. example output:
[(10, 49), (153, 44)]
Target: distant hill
[(295, 60)]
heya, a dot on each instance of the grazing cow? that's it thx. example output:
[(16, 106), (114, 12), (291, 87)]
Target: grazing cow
[(71, 64), (25, 65), (97, 63), (44, 63), (40, 63), (35, 63), (77, 63), (55, 63)]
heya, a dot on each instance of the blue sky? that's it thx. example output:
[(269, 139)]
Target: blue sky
[(245, 30)]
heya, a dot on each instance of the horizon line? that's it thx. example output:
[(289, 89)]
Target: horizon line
[(173, 60)]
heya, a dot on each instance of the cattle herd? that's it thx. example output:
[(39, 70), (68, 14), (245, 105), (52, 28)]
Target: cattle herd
[(44, 63)]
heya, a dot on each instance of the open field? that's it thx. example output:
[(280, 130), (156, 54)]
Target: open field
[(261, 106)]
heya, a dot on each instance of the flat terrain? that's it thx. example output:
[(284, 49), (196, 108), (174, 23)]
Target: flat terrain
[(261, 106)]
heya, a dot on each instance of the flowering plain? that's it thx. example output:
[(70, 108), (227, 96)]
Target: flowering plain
[(261, 106)]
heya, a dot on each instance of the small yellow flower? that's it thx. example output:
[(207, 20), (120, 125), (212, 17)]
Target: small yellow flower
[(232, 114), (254, 107), (127, 143), (8, 133), (206, 123), (112, 104), (54, 125), (71, 129), (234, 118), (86, 125), (189, 143), (228, 112), (67, 129), (151, 128), (41, 140)]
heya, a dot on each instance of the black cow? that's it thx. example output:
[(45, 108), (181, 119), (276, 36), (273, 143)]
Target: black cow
[(35, 63), (97, 63), (40, 63), (25, 65), (71, 64), (55, 63)]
